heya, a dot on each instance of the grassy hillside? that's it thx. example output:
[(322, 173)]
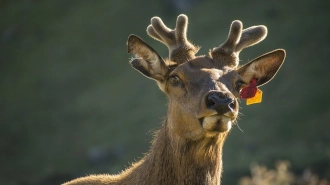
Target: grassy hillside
[(72, 105)]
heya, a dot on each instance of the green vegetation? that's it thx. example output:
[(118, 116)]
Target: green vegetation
[(72, 105)]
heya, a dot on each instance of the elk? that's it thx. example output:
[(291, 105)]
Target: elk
[(203, 93)]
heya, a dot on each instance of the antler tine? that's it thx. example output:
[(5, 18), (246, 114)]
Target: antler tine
[(251, 36), (226, 51), (152, 33), (238, 39), (180, 49)]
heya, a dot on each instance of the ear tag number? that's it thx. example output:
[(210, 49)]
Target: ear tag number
[(251, 93)]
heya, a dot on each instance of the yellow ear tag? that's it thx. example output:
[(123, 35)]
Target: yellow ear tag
[(256, 99)]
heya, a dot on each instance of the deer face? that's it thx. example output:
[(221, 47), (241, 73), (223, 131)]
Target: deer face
[(202, 91), (204, 95)]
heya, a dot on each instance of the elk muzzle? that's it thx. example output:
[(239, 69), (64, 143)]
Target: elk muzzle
[(219, 110), (221, 102)]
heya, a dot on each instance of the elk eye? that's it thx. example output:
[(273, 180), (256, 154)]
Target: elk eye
[(239, 84), (175, 80)]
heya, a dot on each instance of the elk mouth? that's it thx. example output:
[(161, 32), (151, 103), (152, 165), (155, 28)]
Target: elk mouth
[(217, 123)]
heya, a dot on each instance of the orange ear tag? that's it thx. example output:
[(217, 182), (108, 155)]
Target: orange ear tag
[(251, 93), (256, 99)]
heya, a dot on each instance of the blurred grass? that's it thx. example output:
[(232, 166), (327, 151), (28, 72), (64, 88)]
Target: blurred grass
[(67, 87), (281, 175)]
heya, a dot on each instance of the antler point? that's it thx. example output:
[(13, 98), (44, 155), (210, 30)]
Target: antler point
[(183, 16), (155, 20), (182, 19), (264, 29), (237, 25), (149, 28)]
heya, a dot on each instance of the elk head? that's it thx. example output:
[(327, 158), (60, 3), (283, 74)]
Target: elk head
[(202, 90)]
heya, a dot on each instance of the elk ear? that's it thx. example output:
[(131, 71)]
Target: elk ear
[(146, 61), (263, 68)]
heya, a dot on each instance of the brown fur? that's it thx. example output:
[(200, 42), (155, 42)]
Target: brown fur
[(202, 93), (170, 161)]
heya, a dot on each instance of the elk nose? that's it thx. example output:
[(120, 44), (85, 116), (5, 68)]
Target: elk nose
[(220, 102)]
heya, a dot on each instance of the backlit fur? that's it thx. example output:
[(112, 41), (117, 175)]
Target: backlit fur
[(187, 150)]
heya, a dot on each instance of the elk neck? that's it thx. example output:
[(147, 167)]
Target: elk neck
[(174, 159)]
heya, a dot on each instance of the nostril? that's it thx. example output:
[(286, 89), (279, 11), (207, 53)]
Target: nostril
[(232, 105), (211, 101), (220, 102), (216, 99)]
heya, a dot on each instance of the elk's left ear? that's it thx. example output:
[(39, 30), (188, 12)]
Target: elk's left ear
[(263, 68), (146, 61)]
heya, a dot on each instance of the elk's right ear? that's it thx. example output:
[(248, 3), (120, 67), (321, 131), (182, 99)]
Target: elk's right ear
[(146, 61)]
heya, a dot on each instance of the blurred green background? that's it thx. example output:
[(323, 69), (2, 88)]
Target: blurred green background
[(71, 104)]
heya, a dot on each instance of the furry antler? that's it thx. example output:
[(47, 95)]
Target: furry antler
[(180, 49), (238, 39)]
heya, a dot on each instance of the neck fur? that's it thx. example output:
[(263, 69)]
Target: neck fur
[(170, 161), (180, 161)]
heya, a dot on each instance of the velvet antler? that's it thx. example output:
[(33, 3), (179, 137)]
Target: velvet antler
[(180, 49), (238, 39)]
